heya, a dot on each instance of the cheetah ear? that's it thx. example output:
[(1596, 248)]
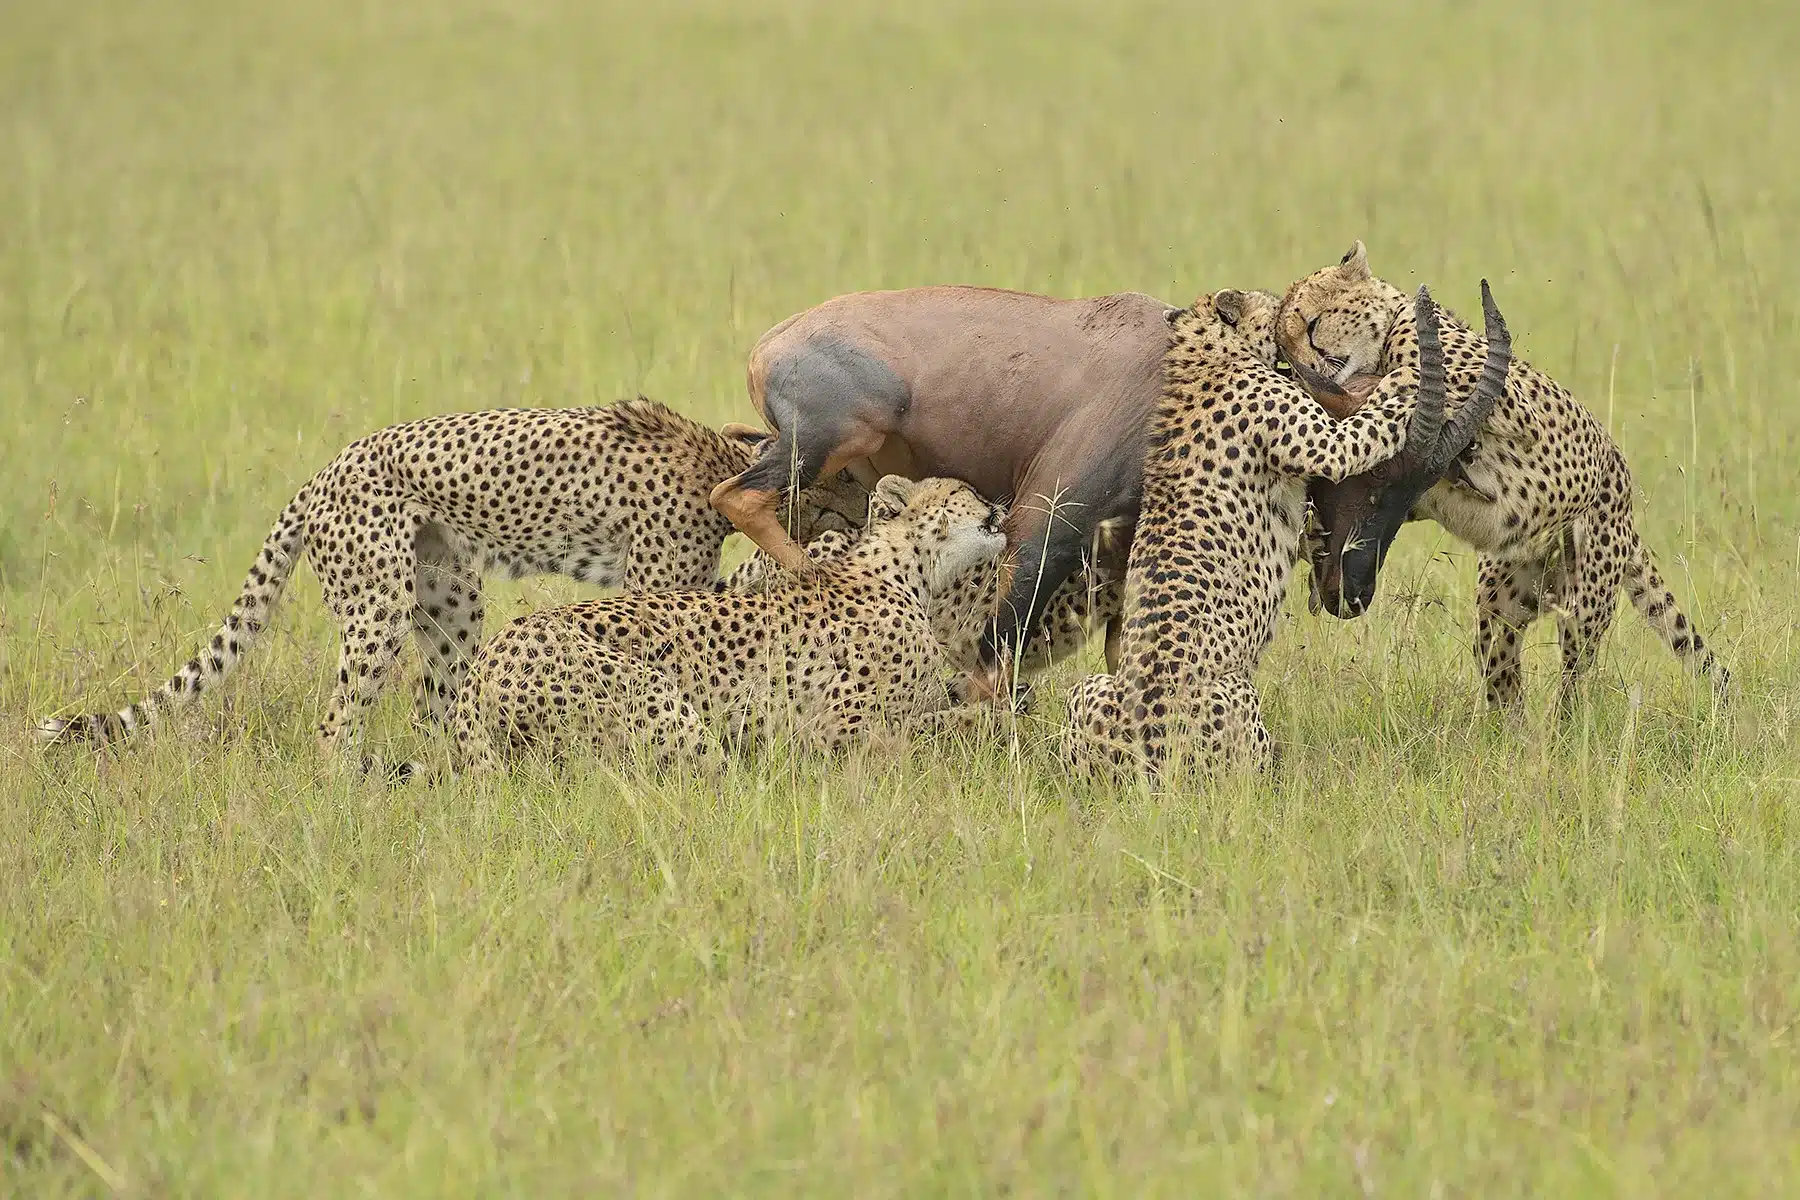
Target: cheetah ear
[(1229, 304), (1354, 266), (890, 497), (750, 435)]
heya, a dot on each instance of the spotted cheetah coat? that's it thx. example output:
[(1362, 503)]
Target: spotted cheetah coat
[(1230, 446), (401, 526), (676, 677), (1547, 502)]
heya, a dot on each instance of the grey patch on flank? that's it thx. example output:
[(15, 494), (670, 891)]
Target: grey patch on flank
[(832, 368)]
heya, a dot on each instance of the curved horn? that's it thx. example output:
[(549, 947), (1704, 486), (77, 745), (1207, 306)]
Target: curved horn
[(1473, 414), (1427, 424), (1327, 391)]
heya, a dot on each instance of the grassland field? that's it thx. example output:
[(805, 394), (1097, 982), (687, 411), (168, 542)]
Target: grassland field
[(1442, 953)]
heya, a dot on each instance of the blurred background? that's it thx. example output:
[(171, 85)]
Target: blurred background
[(235, 235)]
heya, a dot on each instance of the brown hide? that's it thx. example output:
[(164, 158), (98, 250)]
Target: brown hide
[(1019, 394)]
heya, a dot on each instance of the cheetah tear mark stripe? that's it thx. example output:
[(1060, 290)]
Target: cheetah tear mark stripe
[(263, 587)]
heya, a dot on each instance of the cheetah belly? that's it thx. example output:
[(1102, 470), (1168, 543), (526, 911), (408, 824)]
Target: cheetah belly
[(788, 671), (599, 564), (1470, 519)]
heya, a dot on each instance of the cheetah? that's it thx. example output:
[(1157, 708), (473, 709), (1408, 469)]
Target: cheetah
[(821, 658), (1231, 445), (403, 524), (1544, 495), (1088, 600)]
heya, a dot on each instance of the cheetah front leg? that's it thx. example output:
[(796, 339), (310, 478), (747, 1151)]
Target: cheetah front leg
[(1306, 442), (1506, 603), (844, 711)]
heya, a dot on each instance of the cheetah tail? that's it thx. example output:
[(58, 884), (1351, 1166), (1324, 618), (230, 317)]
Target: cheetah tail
[(268, 578), (1652, 598)]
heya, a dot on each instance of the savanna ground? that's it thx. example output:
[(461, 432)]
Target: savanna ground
[(1441, 952)]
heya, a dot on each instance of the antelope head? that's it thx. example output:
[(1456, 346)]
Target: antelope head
[(1360, 516)]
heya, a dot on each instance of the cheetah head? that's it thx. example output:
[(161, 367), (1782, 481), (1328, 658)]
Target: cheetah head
[(951, 528), (1333, 327), (837, 502)]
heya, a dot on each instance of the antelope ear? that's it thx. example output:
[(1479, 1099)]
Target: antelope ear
[(891, 496), (1229, 304), (1354, 266), (1111, 548), (750, 435)]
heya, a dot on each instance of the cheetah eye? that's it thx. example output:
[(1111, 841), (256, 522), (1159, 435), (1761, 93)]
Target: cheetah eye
[(1312, 330)]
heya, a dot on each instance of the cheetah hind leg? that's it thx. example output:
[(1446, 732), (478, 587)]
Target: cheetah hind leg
[(475, 751), (370, 645), (624, 708), (1585, 611), (446, 623), (601, 703), (373, 626), (606, 703)]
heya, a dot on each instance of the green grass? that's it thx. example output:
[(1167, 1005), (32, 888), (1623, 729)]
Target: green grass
[(1443, 953)]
